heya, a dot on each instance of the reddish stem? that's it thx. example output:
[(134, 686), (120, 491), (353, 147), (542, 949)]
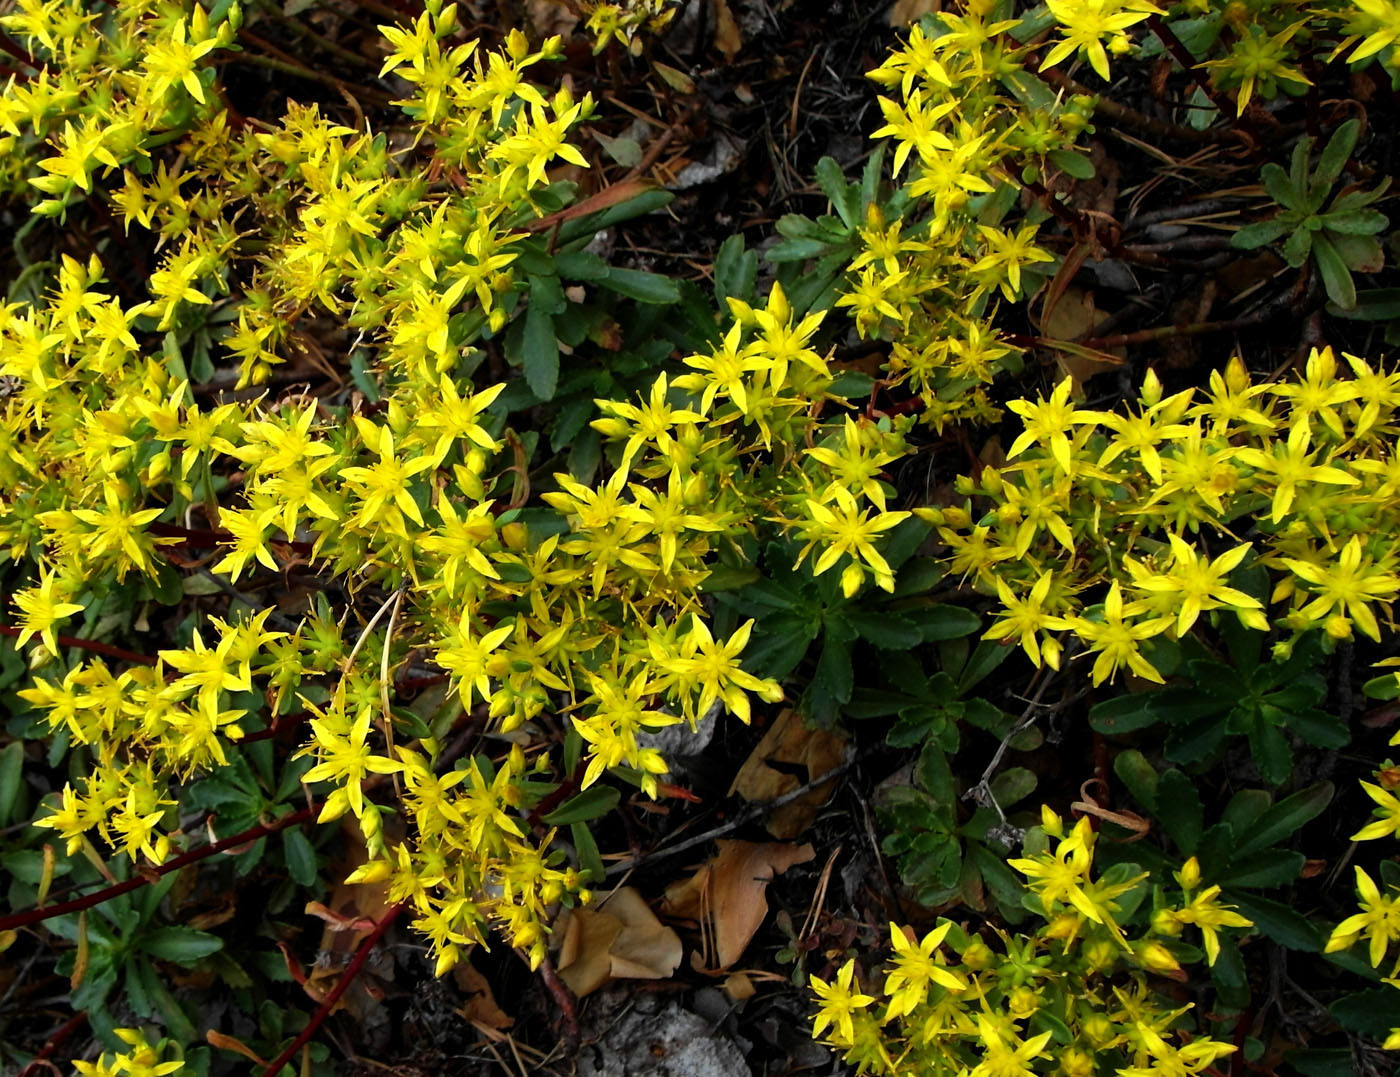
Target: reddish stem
[(563, 998), (91, 645), (342, 985), (7, 44), (151, 874), (1182, 55), (53, 1043), (1071, 218)]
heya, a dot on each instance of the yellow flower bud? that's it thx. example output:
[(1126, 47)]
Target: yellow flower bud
[(978, 955), (1337, 626), (1098, 1030), (1101, 954), (1157, 957), (1022, 1002), (1077, 1062)]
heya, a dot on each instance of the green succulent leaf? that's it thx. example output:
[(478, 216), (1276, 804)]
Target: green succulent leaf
[(1336, 278), (1259, 234), (1337, 153)]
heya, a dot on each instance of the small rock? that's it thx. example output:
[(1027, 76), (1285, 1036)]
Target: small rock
[(671, 1043)]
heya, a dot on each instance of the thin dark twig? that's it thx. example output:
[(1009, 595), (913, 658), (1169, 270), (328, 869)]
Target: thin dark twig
[(93, 645), (53, 1043), (752, 812)]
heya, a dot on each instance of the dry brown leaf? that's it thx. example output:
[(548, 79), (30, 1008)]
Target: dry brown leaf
[(608, 196), (790, 742), (738, 986), (552, 17), (480, 1008), (350, 915), (728, 895), (1073, 318), (905, 12), (217, 1039), (620, 940), (727, 37)]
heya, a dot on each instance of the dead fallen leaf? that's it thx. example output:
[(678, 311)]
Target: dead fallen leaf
[(728, 39), (552, 17), (673, 77), (738, 986), (350, 915), (608, 196), (480, 1008), (727, 897), (789, 741), (217, 1039), (620, 939), (905, 12), (1071, 319)]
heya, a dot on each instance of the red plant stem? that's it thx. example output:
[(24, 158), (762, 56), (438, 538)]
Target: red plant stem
[(91, 645), (563, 998), (53, 1043), (342, 985), (1074, 220), (149, 875), (1182, 55), (7, 44)]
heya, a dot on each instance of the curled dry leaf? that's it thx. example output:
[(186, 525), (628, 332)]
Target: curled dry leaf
[(789, 741), (350, 915), (480, 1008), (738, 986), (905, 12), (218, 1039), (550, 17), (728, 39), (727, 897), (620, 939)]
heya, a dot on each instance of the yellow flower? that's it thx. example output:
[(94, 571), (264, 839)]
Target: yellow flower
[(846, 529), (41, 607), (916, 969), (1378, 920), (839, 1000), (1116, 637), (1349, 584), (1027, 618), (1048, 423), (1387, 808), (1287, 465), (174, 61), (1203, 911), (345, 757), (1086, 24), (143, 1060), (1004, 1054), (1199, 584)]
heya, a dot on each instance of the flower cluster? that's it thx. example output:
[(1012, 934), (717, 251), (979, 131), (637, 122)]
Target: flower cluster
[(1115, 529), (931, 263), (1076, 996), (143, 1060), (397, 497), (629, 23), (1377, 919)]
